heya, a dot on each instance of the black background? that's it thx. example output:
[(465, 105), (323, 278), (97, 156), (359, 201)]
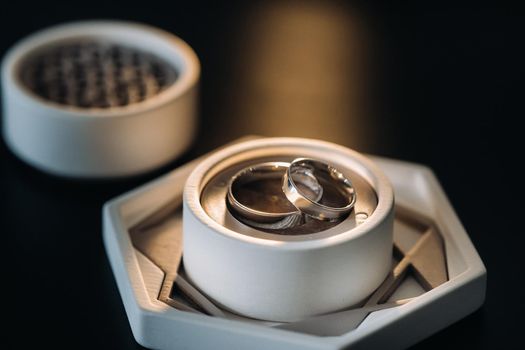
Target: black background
[(440, 85)]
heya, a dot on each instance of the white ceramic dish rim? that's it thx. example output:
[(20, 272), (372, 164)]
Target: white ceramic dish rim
[(143, 37), (367, 169)]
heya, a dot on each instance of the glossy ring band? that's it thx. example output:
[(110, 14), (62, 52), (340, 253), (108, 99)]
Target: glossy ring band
[(310, 205), (262, 219)]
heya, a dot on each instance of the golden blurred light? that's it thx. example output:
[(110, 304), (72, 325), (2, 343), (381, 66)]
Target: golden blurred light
[(301, 73)]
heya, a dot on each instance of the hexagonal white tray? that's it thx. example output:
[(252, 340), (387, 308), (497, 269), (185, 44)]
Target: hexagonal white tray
[(157, 325)]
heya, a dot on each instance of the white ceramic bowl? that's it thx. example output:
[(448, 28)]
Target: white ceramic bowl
[(262, 276), (101, 142)]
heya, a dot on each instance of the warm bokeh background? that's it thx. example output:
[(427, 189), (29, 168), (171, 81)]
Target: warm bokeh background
[(439, 85)]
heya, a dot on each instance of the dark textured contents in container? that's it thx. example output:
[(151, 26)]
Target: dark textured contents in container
[(95, 74)]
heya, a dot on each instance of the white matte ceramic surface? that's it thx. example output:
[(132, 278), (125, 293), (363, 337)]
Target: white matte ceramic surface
[(104, 142), (159, 326), (280, 280)]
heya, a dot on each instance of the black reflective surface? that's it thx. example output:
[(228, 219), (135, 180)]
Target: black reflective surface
[(438, 85)]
